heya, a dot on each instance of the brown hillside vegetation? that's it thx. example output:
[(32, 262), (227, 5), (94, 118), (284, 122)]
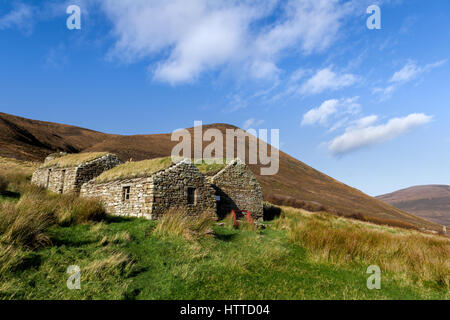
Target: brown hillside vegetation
[(31, 140), (27, 139), (431, 202)]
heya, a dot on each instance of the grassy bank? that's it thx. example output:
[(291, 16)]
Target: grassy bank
[(300, 255)]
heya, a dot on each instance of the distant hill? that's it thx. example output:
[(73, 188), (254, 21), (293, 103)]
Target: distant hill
[(431, 202), (33, 140), (27, 139)]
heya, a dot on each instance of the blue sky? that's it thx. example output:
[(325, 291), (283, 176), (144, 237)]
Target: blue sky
[(370, 108)]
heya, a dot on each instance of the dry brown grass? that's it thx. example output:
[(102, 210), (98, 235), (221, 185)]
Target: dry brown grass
[(177, 223), (9, 165), (340, 241), (137, 169), (25, 223), (73, 160), (71, 209), (3, 184), (116, 263)]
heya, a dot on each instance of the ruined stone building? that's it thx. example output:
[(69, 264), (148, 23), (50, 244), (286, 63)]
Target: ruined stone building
[(150, 188), (66, 173), (236, 188)]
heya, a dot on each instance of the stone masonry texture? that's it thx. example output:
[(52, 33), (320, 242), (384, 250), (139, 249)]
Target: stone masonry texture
[(70, 179), (151, 197), (238, 189)]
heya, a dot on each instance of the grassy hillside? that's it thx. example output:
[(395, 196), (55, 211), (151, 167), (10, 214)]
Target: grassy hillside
[(33, 140), (300, 255)]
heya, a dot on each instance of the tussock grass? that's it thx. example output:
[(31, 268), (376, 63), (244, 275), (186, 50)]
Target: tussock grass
[(74, 210), (422, 258), (130, 170), (120, 237), (3, 184), (73, 160), (8, 165), (116, 264), (25, 223), (177, 223)]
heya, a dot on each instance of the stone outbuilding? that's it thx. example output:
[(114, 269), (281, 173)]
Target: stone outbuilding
[(150, 188), (236, 188), (66, 173)]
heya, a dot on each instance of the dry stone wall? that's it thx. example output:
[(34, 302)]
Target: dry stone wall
[(151, 197), (238, 189), (172, 186), (138, 204), (93, 169), (70, 180), (59, 180)]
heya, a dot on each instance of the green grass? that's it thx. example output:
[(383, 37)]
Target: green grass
[(300, 255), (124, 259)]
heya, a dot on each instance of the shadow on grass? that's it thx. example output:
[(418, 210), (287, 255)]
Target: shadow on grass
[(71, 243), (116, 219), (10, 194), (223, 234)]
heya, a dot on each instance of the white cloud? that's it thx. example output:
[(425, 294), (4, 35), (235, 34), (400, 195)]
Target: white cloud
[(366, 121), (359, 137), (187, 38), (407, 73), (410, 71), (19, 17), (326, 79), (328, 108), (320, 114), (252, 123)]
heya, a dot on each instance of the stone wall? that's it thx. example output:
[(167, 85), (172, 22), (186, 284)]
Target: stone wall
[(153, 196), (70, 180), (92, 169), (111, 194), (59, 180), (238, 189), (171, 186)]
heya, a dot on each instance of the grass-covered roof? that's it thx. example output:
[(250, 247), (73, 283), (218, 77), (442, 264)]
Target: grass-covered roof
[(210, 169), (75, 159), (139, 169)]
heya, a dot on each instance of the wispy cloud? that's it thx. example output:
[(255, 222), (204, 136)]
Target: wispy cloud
[(365, 134), (327, 79), (410, 71), (252, 123), (20, 17)]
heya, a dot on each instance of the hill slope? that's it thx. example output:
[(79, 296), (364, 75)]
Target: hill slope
[(27, 139), (33, 140), (431, 202)]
